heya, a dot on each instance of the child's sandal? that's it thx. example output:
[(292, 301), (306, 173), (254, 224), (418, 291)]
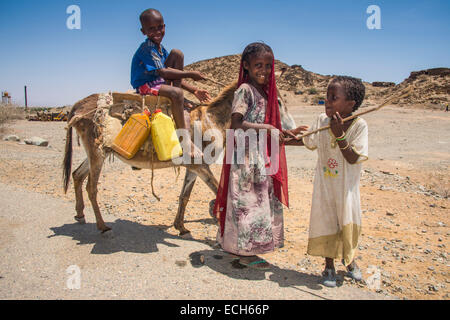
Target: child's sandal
[(355, 274), (329, 278)]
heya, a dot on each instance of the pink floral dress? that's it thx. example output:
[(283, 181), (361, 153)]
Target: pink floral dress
[(254, 218)]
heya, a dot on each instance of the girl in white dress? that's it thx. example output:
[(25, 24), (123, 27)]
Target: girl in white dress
[(335, 223)]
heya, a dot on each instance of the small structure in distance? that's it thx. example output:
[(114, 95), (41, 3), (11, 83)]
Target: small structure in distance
[(6, 98)]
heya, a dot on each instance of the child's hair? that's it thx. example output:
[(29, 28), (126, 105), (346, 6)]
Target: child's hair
[(354, 89), (148, 13), (253, 49)]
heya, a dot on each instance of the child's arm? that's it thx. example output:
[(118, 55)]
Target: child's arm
[(336, 125), (237, 122), (202, 95), (291, 136), (175, 74), (293, 142)]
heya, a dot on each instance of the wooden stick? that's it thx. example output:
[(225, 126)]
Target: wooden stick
[(216, 82), (405, 93)]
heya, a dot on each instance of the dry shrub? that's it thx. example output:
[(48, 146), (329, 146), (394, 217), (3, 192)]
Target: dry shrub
[(10, 112), (439, 183)]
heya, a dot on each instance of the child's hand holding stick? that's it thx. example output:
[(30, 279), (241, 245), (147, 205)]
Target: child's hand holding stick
[(405, 93)]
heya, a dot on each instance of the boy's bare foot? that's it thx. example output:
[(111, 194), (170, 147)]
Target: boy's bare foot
[(188, 105)]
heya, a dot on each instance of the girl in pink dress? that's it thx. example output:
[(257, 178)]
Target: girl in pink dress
[(249, 200)]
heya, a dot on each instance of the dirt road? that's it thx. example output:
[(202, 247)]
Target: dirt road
[(43, 251), (404, 190)]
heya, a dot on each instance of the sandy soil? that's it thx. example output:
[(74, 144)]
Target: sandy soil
[(405, 187)]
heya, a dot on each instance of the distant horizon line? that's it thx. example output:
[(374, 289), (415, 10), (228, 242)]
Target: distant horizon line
[(17, 104)]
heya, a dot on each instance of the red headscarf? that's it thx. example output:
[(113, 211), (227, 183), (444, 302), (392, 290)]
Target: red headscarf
[(280, 180)]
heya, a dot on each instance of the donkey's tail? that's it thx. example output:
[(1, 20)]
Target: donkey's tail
[(67, 164)]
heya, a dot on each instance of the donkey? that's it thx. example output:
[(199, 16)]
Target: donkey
[(215, 115)]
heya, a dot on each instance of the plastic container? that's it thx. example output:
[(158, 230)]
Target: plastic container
[(133, 135), (164, 137)]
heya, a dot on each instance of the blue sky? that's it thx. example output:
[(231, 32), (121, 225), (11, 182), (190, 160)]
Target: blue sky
[(60, 66)]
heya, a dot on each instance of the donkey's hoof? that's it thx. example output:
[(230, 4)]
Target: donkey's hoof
[(211, 209), (107, 234), (186, 235), (81, 220)]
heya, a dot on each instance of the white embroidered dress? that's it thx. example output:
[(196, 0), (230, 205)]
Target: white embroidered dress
[(335, 222)]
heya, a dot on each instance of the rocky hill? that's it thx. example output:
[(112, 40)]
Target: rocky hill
[(299, 86), (291, 80), (431, 88)]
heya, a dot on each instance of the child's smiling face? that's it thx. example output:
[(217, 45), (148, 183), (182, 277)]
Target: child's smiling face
[(336, 101), (154, 28), (259, 68)]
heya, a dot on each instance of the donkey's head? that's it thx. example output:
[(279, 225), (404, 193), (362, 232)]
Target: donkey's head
[(287, 121)]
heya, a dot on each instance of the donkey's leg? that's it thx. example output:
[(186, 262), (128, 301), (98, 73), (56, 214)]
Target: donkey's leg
[(95, 167), (205, 173), (188, 184), (79, 175)]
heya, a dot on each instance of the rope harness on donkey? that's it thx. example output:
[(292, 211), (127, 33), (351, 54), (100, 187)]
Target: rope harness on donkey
[(110, 113)]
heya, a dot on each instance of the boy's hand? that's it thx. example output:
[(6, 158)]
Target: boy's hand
[(196, 76), (336, 125), (202, 95)]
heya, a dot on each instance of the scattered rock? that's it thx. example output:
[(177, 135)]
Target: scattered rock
[(36, 141), (433, 288), (180, 263), (398, 289), (11, 137)]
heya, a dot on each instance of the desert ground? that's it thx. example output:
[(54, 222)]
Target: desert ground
[(405, 188)]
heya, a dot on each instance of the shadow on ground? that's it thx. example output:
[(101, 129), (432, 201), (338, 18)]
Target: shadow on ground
[(223, 263), (127, 236)]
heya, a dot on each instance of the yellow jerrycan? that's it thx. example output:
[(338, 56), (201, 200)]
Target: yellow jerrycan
[(164, 137), (133, 135)]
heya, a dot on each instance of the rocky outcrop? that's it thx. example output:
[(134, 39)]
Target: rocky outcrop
[(382, 84)]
